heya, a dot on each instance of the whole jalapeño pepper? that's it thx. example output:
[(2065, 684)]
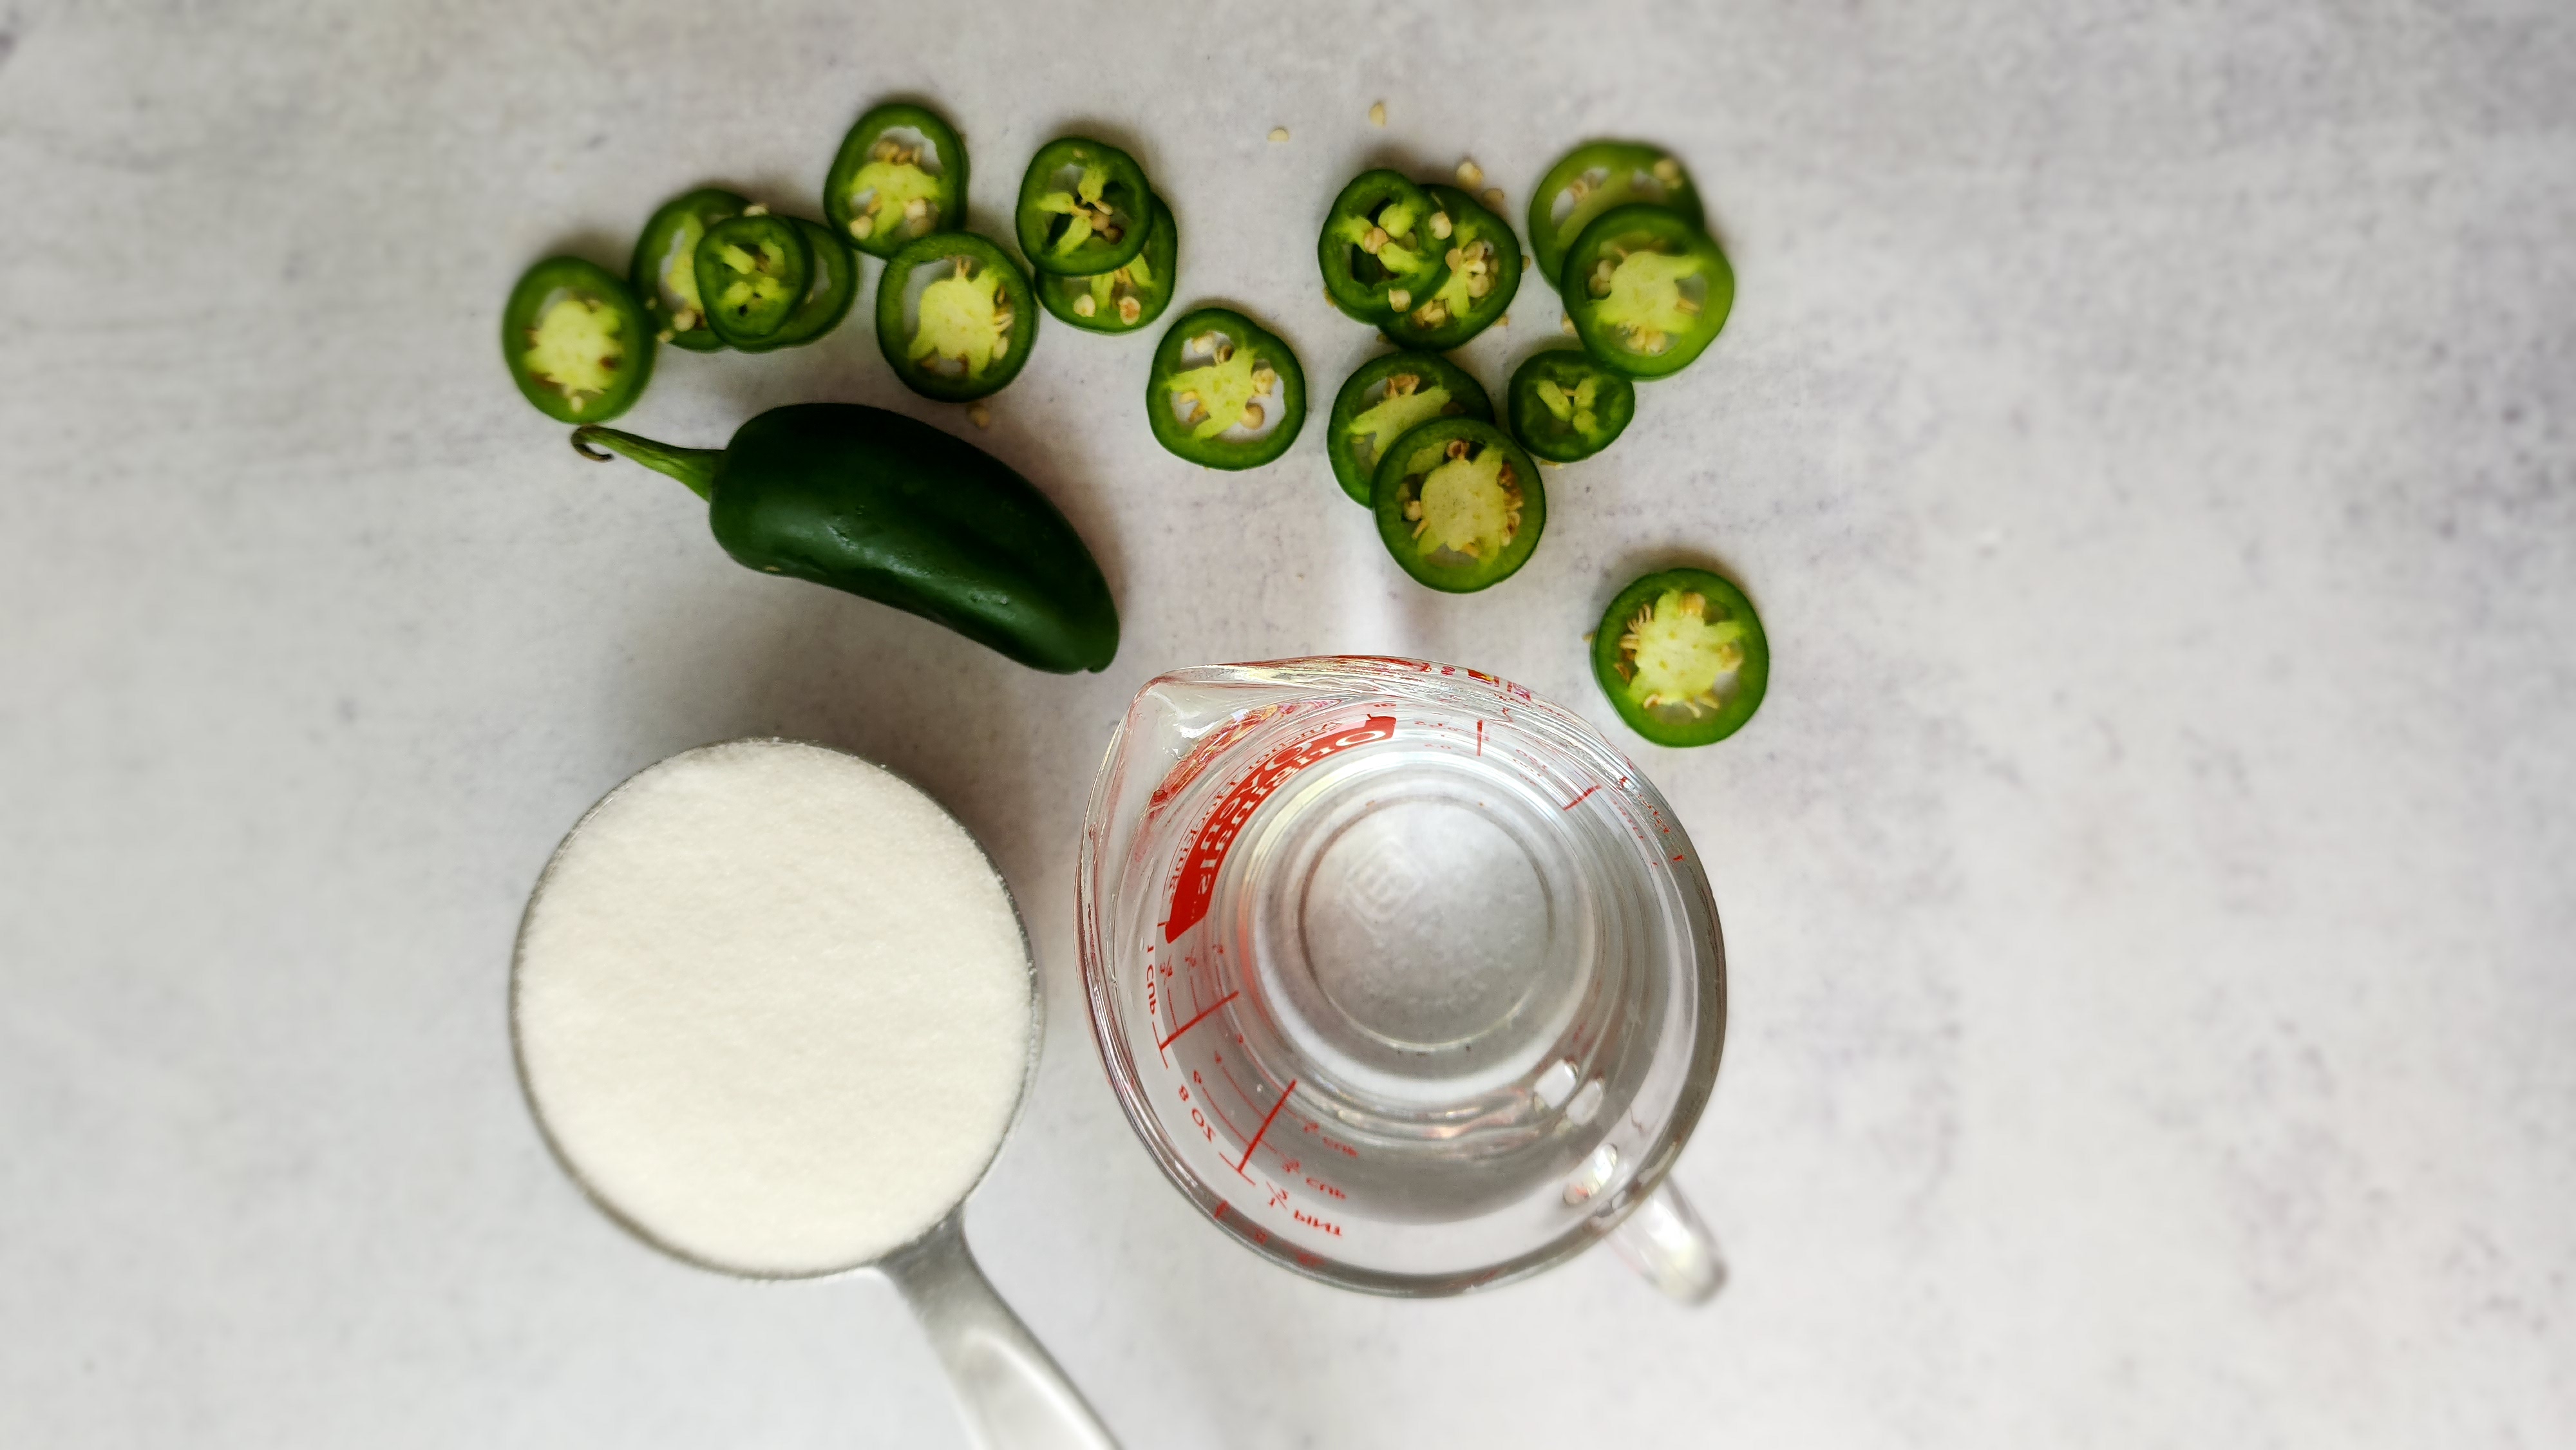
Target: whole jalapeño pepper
[(891, 509)]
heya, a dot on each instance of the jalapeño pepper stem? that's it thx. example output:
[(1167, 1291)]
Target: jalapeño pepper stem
[(695, 467)]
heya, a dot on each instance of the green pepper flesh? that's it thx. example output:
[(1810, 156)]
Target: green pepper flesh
[(1124, 299), (827, 296), (1387, 397), (1647, 291), (900, 174), (1593, 178), (753, 270), (577, 343), (891, 509), (1094, 220), (1483, 261), (664, 271), (969, 330), (1566, 406), (1376, 249), (1682, 656), (1213, 368), (1459, 506)]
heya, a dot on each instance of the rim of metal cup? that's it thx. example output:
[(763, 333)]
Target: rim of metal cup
[(1386, 674), (607, 1206)]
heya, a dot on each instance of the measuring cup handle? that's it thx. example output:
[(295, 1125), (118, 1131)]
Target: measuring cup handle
[(1665, 1241), (1013, 1395)]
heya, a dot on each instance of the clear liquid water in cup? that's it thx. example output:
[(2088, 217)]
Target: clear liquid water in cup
[(1406, 977)]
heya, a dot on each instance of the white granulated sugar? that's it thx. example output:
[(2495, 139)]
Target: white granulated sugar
[(774, 1007)]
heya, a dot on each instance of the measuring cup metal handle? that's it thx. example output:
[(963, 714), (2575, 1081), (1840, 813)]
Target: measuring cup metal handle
[(1665, 1241), (1013, 1395)]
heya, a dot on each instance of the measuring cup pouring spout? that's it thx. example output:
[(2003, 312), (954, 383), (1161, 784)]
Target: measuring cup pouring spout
[(1406, 977)]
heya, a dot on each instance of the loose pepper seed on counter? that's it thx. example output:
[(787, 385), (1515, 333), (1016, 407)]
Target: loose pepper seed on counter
[(1386, 398), (577, 343), (955, 317), (664, 271), (1084, 208), (1224, 392), (891, 509), (1682, 656), (1484, 271), (1127, 297), (1566, 406), (1459, 505), (900, 174), (1647, 290), (1592, 179), (752, 272)]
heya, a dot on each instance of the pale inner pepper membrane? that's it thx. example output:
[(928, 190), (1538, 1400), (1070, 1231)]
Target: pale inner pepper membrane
[(1601, 188), (1120, 292), (1088, 211), (1673, 654), (1471, 278), (756, 282), (1389, 238), (1641, 295), (893, 187), (964, 319), (576, 347), (1219, 396), (680, 276), (1468, 505), (1573, 409), (1405, 406)]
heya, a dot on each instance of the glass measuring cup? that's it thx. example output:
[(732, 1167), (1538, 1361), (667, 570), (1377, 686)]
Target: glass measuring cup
[(1406, 977)]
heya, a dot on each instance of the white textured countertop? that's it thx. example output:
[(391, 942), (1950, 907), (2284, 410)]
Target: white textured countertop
[(2148, 435)]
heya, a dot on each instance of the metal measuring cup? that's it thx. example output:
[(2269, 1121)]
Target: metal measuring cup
[(1009, 1389)]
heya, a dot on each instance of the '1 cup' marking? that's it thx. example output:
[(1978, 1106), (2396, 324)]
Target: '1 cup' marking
[(1192, 894)]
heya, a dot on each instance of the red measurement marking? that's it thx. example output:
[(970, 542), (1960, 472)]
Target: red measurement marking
[(1207, 751), (1265, 1123), (1329, 1141), (1587, 795), (1203, 1016), (1677, 858), (1480, 737), (1192, 894)]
